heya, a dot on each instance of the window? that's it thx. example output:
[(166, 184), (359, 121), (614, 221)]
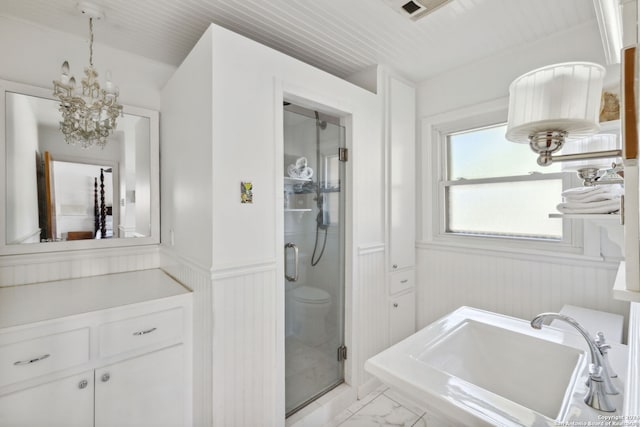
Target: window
[(493, 187), (482, 192)]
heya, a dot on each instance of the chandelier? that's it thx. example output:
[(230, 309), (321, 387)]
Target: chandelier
[(90, 118)]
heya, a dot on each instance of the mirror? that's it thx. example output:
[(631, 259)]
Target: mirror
[(62, 196)]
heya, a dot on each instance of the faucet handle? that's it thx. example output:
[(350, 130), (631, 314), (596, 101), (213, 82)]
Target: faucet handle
[(601, 343), (604, 348), (596, 396), (595, 372)]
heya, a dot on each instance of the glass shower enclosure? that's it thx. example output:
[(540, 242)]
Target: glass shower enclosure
[(314, 255)]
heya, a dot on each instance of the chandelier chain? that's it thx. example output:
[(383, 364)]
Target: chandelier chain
[(91, 42)]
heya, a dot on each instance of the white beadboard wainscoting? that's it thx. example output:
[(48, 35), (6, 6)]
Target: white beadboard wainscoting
[(372, 334), (198, 279), (234, 341), (515, 285), (244, 344), (44, 267)]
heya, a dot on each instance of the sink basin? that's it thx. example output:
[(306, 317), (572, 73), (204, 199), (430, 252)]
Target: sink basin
[(477, 368), (527, 370)]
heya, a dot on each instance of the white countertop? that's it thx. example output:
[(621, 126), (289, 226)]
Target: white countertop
[(438, 385), (25, 304)]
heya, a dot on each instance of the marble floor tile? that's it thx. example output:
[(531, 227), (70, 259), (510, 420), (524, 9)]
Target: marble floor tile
[(340, 418), (395, 396), (422, 422), (359, 404), (382, 411)]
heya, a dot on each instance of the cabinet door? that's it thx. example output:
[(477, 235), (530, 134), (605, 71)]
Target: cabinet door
[(402, 320), (401, 105), (144, 391), (63, 403)]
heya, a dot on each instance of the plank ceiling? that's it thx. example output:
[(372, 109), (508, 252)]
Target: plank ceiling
[(339, 36)]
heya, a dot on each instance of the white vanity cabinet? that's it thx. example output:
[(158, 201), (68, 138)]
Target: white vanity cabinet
[(402, 319), (105, 351), (401, 157), (66, 402), (142, 391), (401, 130)]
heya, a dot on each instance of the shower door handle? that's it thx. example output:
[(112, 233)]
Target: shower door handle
[(293, 278)]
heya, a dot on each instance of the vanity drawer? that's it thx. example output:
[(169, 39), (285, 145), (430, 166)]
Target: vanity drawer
[(31, 358), (400, 281), (138, 332)]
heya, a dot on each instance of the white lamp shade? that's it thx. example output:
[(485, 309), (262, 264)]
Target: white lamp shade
[(598, 142), (560, 97)]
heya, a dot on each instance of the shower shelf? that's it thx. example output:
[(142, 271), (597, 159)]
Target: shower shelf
[(298, 210), (290, 180)]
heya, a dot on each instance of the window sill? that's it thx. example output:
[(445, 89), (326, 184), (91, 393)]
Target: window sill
[(518, 251)]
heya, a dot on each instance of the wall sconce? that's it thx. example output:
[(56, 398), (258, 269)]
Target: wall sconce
[(549, 105), (589, 167)]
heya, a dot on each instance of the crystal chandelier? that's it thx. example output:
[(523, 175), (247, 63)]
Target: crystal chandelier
[(87, 119)]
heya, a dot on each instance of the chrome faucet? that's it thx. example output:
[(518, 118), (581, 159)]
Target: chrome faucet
[(599, 382), (602, 345)]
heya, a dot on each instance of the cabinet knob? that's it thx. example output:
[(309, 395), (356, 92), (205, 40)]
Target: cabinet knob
[(105, 377), (395, 304), (83, 384), (395, 265)]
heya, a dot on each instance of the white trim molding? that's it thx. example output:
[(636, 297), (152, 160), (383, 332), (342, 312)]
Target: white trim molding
[(632, 388), (610, 26), (243, 270), (525, 254), (371, 248)]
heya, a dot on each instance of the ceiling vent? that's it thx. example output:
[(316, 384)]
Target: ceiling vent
[(416, 9)]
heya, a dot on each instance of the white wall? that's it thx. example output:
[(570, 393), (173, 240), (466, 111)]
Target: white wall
[(223, 124), (52, 140), (518, 285), (490, 78), (142, 185), (33, 55), (74, 185), (186, 163), (22, 186)]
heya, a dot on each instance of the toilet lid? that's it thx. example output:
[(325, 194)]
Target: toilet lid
[(311, 295)]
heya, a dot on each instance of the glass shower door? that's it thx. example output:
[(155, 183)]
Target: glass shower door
[(314, 255)]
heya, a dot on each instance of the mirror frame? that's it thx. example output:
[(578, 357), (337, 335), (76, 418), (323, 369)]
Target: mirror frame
[(72, 245)]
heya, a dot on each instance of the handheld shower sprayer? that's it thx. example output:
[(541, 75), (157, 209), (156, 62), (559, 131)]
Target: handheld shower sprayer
[(322, 220)]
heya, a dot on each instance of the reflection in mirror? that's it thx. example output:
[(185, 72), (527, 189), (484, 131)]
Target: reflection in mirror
[(59, 192)]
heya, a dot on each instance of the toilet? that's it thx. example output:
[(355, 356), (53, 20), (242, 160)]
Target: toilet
[(310, 308)]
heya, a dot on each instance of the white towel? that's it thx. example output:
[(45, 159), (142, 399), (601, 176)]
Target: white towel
[(602, 207), (302, 173), (593, 194)]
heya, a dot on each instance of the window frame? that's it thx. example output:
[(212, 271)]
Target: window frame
[(435, 130)]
